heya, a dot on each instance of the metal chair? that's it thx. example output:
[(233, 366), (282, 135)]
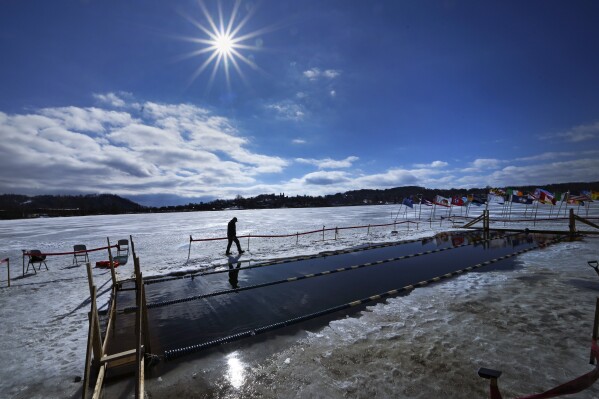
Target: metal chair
[(35, 256), (122, 248), (80, 255)]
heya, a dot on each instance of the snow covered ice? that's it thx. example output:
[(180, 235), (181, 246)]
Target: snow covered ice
[(533, 322)]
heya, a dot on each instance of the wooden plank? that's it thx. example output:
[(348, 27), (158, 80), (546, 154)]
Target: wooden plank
[(123, 362), (99, 382), (117, 356), (90, 338), (111, 317)]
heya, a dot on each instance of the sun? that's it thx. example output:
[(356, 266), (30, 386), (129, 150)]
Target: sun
[(222, 44)]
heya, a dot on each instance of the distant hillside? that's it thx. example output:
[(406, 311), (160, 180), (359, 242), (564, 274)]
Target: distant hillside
[(13, 206), (21, 206)]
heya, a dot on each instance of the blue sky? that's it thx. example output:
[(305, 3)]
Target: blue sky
[(320, 96)]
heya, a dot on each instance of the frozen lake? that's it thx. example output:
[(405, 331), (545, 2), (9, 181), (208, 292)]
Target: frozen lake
[(532, 322)]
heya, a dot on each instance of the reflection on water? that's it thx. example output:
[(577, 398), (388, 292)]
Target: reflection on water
[(234, 272), (235, 370)]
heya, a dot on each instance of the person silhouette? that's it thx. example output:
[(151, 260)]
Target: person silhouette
[(232, 237)]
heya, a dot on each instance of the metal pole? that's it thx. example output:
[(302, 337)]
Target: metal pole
[(8, 266), (296, 237), (249, 241), (323, 233), (189, 251)]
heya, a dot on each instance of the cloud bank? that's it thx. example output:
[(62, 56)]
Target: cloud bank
[(144, 148)]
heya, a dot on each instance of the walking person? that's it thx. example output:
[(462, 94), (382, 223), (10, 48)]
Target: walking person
[(232, 237)]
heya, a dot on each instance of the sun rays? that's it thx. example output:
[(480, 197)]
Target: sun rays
[(222, 43)]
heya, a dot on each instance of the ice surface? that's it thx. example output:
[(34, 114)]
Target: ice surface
[(534, 323)]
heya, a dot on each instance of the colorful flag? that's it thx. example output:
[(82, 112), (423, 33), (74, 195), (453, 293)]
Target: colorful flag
[(513, 191), (457, 201), (442, 201), (544, 196), (427, 202), (476, 200), (595, 195), (588, 194), (521, 200), (408, 202), (494, 198)]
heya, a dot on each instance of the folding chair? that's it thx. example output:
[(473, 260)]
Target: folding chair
[(123, 248), (82, 255), (35, 256), (122, 252)]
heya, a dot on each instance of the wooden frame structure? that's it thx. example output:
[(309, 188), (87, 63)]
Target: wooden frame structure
[(96, 358)]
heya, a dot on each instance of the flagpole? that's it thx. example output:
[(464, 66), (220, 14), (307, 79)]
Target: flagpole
[(536, 210), (560, 204)]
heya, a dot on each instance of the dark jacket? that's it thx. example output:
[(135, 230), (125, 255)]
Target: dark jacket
[(232, 229)]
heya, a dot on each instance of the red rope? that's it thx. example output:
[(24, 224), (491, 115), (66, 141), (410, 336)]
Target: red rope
[(70, 253), (302, 233), (571, 387)]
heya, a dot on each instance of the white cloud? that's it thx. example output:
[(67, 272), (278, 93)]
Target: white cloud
[(176, 148), (486, 163), (576, 134), (111, 99), (316, 73), (329, 163), (298, 141), (288, 110), (434, 164), (323, 178)]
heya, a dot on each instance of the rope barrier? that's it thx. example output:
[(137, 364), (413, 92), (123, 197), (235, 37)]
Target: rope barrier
[(288, 280), (191, 239), (174, 353), (569, 388), (69, 253)]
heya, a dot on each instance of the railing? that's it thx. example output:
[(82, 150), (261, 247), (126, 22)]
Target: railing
[(298, 234)]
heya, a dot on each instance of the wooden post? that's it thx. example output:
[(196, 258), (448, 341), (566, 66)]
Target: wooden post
[(24, 250), (336, 232), (8, 268), (323, 233), (90, 278), (112, 273), (249, 241), (97, 341), (368, 231), (297, 238), (595, 328), (572, 224), (133, 246), (86, 371), (189, 251)]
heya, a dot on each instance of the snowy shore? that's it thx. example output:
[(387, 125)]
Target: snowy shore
[(533, 322)]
